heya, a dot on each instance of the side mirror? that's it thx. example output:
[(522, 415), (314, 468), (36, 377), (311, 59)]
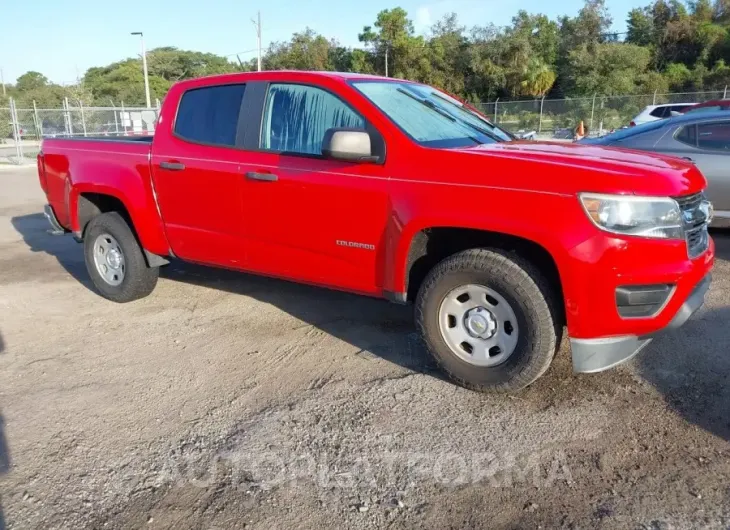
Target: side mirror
[(352, 145)]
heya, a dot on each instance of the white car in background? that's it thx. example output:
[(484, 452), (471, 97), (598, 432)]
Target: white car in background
[(659, 112)]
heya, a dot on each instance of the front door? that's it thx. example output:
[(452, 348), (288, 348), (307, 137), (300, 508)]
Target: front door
[(309, 218)]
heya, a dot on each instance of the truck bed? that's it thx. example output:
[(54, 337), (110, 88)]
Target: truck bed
[(92, 164), (112, 139)]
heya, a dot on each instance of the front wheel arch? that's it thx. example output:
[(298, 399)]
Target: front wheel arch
[(430, 246)]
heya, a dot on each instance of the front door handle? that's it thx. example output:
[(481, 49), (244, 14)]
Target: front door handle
[(172, 166), (266, 177)]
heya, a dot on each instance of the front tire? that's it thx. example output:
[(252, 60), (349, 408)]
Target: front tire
[(489, 319), (115, 261)]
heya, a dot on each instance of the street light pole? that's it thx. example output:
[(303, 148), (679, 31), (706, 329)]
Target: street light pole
[(257, 24), (144, 68)]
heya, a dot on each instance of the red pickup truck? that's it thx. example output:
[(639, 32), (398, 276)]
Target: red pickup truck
[(397, 190)]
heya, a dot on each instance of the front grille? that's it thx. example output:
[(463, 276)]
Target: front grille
[(690, 201), (695, 218)]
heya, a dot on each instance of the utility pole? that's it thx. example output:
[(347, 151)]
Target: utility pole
[(386, 58), (2, 80), (144, 68), (257, 25)]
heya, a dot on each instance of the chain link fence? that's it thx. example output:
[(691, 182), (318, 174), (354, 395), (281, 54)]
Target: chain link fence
[(22, 129), (558, 118)]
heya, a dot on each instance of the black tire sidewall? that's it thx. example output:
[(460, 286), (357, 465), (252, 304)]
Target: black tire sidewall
[(528, 359), (136, 270)]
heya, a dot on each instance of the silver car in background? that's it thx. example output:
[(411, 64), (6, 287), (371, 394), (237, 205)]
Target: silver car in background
[(703, 138)]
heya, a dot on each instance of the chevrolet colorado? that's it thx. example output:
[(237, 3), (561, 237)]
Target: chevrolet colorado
[(397, 190)]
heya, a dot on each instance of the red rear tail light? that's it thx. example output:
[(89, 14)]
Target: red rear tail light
[(632, 124), (40, 162)]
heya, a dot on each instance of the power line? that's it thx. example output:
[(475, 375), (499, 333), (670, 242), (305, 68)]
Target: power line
[(240, 53)]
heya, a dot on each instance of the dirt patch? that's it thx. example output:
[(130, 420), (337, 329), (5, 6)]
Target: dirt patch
[(229, 401)]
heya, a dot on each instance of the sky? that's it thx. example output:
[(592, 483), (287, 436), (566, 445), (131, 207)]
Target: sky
[(63, 38)]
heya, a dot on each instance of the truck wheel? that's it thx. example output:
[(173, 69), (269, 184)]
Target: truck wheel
[(489, 320), (115, 260)]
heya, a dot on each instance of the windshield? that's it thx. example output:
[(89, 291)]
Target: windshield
[(429, 116)]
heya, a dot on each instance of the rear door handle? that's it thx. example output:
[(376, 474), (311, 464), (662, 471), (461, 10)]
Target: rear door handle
[(689, 159), (266, 177), (172, 166)]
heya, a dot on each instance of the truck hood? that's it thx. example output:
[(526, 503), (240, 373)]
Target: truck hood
[(571, 168)]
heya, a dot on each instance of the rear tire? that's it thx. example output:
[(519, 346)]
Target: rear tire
[(115, 261), (478, 298)]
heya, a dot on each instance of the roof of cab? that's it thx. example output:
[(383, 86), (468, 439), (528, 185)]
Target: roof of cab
[(278, 74)]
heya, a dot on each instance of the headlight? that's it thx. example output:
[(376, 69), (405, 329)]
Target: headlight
[(655, 217)]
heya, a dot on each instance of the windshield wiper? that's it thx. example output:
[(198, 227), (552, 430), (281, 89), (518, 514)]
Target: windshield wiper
[(482, 130), (427, 103), (431, 105)]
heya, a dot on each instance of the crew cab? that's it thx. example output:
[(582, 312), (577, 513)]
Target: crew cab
[(394, 189)]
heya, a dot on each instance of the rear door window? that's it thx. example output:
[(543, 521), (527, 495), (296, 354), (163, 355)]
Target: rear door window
[(659, 112), (209, 115), (714, 136), (688, 135)]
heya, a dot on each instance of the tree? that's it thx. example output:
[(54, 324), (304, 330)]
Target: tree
[(678, 77), (306, 50), (6, 129), (542, 34), (584, 32), (701, 10), (445, 64), (393, 34), (31, 81), (173, 65), (719, 77), (609, 69), (640, 27), (123, 81), (670, 45), (538, 78), (589, 28)]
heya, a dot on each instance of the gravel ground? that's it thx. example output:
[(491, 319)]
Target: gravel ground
[(229, 401)]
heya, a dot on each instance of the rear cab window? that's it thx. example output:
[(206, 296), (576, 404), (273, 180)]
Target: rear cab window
[(209, 115)]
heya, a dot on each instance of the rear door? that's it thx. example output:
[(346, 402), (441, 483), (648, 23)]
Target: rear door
[(194, 166), (707, 144), (310, 218), (713, 140)]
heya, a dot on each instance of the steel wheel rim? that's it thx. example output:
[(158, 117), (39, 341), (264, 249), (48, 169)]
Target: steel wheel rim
[(109, 259), (479, 325)]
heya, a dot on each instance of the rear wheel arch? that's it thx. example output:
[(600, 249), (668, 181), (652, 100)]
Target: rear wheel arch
[(92, 204)]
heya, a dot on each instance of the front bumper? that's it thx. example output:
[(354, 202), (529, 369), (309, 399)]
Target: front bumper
[(596, 355)]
